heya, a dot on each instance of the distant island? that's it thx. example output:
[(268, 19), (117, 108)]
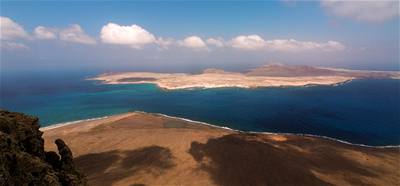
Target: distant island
[(273, 75)]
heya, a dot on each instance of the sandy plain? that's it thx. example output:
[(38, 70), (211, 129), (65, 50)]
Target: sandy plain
[(151, 149)]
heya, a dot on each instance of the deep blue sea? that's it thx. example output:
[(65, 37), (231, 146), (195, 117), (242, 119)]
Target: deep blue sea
[(361, 111)]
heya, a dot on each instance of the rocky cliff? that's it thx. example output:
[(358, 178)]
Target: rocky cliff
[(23, 160)]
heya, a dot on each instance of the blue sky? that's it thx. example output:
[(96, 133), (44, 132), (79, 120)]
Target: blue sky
[(190, 36)]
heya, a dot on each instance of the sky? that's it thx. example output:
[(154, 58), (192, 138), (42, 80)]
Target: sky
[(188, 36)]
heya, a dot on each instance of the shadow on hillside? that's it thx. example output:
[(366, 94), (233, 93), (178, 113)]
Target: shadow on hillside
[(244, 159), (108, 167)]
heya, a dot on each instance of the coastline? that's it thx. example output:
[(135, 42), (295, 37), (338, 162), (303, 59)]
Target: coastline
[(58, 125), (84, 121), (77, 122)]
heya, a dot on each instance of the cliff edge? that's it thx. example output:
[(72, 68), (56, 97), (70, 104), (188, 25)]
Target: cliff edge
[(23, 160)]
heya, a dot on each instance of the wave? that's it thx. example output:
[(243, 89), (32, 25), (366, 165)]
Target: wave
[(57, 125), (274, 133), (226, 128)]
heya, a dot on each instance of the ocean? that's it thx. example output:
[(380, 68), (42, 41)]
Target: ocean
[(361, 111)]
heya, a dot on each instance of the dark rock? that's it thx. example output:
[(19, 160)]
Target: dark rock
[(67, 162), (53, 159), (23, 160)]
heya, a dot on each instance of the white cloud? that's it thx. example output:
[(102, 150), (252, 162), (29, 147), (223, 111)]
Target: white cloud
[(292, 45), (76, 34), (136, 37), (369, 11), (255, 42), (194, 42), (332, 46), (133, 35), (218, 42), (6, 45), (42, 32), (249, 42), (164, 43), (11, 30)]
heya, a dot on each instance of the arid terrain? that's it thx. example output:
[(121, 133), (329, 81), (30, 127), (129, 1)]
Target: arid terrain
[(150, 149), (274, 75)]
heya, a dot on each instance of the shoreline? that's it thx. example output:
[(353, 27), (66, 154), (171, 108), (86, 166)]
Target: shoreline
[(58, 125)]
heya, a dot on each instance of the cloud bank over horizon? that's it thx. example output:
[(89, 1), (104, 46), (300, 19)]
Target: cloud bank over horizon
[(328, 32), (137, 37)]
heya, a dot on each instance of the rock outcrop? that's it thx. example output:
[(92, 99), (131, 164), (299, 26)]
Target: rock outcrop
[(23, 160)]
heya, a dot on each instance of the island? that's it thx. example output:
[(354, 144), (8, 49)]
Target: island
[(140, 148), (272, 75)]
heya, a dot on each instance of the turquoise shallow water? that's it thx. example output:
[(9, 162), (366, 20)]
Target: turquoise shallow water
[(361, 111)]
